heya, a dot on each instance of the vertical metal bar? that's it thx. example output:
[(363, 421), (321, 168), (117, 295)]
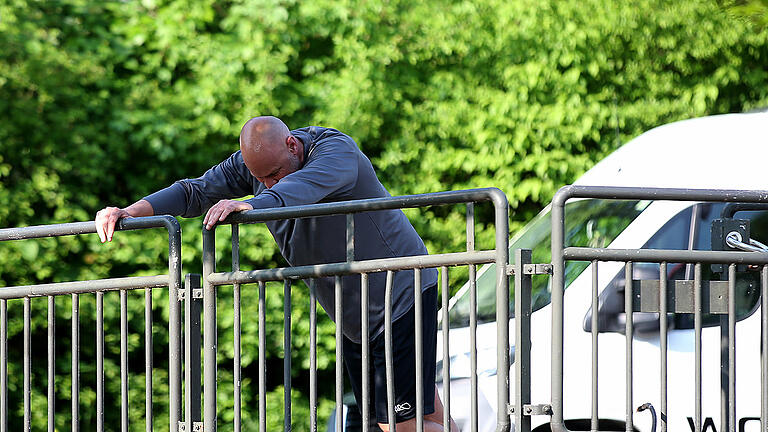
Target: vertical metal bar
[(3, 366), (350, 237), (192, 362), (558, 288), (663, 329), (148, 360), (732, 347), (388, 356), (51, 363), (236, 330), (724, 362), (338, 313), (27, 365), (418, 310), (697, 310), (262, 357), (501, 220), (629, 337), (287, 353), (312, 357), (523, 286), (209, 332), (764, 347), (124, 360), (446, 351), (75, 363), (365, 349), (472, 319), (100, 361), (595, 331), (175, 348)]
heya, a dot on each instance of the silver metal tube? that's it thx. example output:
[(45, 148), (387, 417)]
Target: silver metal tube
[(312, 357), (209, 333), (100, 361), (236, 329), (124, 361), (501, 220), (663, 330), (365, 350), (175, 284), (418, 310), (595, 331), (287, 355), (75, 363), (4, 366), (80, 287), (367, 266), (732, 347), (659, 255), (558, 287), (445, 286), (350, 237), (148, 360), (51, 364), (388, 355), (27, 365), (262, 357), (472, 319), (697, 323), (523, 287), (629, 335), (339, 314), (764, 347)]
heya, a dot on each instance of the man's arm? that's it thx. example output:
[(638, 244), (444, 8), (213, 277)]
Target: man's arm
[(106, 218)]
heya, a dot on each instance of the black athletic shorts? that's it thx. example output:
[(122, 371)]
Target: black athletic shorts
[(404, 370)]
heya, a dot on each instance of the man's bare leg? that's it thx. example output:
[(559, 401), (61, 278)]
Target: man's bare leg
[(432, 422)]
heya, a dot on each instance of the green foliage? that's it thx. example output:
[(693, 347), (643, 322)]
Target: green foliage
[(104, 102)]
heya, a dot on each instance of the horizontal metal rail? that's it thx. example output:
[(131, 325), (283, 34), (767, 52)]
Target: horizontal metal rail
[(663, 255), (82, 287)]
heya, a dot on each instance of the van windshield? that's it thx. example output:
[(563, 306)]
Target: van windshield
[(589, 223)]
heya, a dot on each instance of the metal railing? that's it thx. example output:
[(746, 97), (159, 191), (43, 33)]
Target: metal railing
[(171, 279), (658, 297), (236, 277)]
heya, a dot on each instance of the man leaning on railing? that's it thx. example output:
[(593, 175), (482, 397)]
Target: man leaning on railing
[(282, 167)]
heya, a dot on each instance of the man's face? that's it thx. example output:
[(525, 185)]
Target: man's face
[(272, 161)]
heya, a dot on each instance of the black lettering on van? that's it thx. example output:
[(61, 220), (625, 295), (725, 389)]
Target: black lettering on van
[(709, 424)]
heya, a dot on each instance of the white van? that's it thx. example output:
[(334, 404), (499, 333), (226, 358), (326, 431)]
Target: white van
[(716, 152)]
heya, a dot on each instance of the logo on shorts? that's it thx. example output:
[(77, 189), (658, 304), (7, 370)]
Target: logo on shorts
[(405, 406)]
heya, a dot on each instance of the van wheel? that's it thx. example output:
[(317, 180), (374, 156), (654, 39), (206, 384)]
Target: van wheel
[(586, 425)]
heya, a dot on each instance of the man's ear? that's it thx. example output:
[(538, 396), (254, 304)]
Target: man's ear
[(293, 144)]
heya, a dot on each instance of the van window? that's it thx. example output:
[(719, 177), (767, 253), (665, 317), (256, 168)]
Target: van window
[(589, 223)]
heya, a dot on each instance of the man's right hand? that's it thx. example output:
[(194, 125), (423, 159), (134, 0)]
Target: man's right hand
[(106, 218)]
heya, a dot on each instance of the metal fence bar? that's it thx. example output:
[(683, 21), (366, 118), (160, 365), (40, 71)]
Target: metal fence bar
[(367, 266), (660, 255), (663, 331), (192, 345), (472, 319), (124, 360), (51, 363), (82, 287), (209, 333), (312, 357), (445, 287), (764, 347), (418, 310), (148, 360), (523, 286), (366, 410), (732, 347), (697, 319), (75, 363), (388, 357), (339, 314), (287, 354), (100, 361), (594, 423), (4, 364), (27, 365), (629, 338), (236, 329), (262, 357)]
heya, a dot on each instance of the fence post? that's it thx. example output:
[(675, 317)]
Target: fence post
[(192, 344), (522, 339), (209, 335)]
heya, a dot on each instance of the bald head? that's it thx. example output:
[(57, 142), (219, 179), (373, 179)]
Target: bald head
[(269, 150)]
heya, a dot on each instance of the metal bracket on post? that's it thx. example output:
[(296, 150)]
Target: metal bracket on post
[(532, 410), (196, 427), (197, 293), (532, 269)]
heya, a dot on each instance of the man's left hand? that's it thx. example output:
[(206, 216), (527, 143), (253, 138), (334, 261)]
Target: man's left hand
[(222, 209)]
